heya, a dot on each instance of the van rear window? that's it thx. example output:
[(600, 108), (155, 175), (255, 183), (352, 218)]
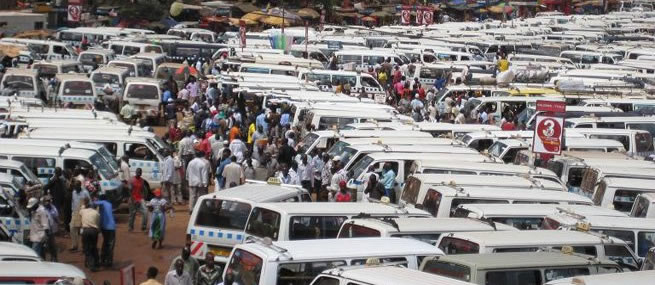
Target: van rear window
[(223, 214), (303, 273), (264, 223), (452, 270), (143, 91), (560, 273), (623, 199), (246, 267), (451, 245), (523, 277)]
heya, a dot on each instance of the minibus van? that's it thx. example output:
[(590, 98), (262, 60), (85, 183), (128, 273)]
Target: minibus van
[(482, 140), (15, 218), (22, 83), (380, 275), (13, 272), (20, 172), (639, 234), (484, 169), (400, 163), (218, 220), (323, 140), (287, 70), (620, 193), (144, 94), (442, 200), (448, 130), (299, 262), (76, 89), (152, 60), (638, 123), (529, 216), (43, 161), (328, 80), (46, 49), (125, 49), (596, 245), (525, 268), (50, 69), (300, 221), (634, 141), (423, 229), (112, 77), (136, 67), (91, 59), (169, 69), (362, 59)]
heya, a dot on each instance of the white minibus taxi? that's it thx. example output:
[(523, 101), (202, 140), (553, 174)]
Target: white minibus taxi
[(526, 268), (152, 60), (50, 69), (124, 49), (276, 263), (112, 77), (300, 221), (381, 275), (76, 89), (593, 244), (327, 80), (145, 95), (639, 123), (620, 193), (218, 220), (442, 200), (136, 67), (528, 216), (324, 140), (484, 169), (634, 141), (22, 83), (19, 171), (43, 161), (91, 59), (45, 48), (423, 229)]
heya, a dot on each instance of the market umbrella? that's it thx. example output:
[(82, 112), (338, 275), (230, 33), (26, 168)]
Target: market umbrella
[(253, 16), (500, 8), (275, 21), (308, 13), (176, 9), (9, 50), (246, 7), (380, 14), (187, 70), (284, 13), (368, 19)]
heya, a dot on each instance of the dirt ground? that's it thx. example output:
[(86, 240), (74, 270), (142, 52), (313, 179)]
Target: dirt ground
[(134, 248)]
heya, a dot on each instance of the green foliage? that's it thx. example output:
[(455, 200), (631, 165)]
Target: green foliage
[(151, 10)]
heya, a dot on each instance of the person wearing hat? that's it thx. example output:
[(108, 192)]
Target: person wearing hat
[(157, 229), (39, 225)]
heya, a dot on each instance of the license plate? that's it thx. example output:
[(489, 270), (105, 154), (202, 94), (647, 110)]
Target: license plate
[(220, 251)]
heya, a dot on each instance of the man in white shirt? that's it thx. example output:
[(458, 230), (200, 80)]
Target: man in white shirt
[(305, 171), (168, 174), (197, 174), (124, 174), (288, 175), (233, 173), (178, 276), (238, 149)]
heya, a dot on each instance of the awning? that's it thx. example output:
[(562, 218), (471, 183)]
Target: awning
[(275, 21), (308, 13), (254, 16)]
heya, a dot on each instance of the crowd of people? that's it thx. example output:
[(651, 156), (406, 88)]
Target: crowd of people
[(186, 270)]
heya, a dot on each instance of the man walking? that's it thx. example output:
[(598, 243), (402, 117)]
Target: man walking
[(178, 276), (167, 178), (108, 230), (208, 274), (232, 173), (78, 196), (197, 173), (53, 224), (136, 203), (39, 225), (90, 225)]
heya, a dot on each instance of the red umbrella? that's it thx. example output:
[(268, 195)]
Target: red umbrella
[(187, 70)]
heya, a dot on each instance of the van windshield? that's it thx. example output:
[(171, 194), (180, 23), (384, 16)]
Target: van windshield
[(315, 227), (451, 245), (644, 142), (346, 155), (18, 82), (359, 167), (223, 214), (109, 158), (103, 168), (264, 223), (337, 148), (130, 67), (307, 142), (246, 267), (90, 58), (143, 91), (78, 88), (164, 72), (448, 269), (29, 174)]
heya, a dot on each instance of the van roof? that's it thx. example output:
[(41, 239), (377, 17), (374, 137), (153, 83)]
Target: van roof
[(486, 167), (57, 62), (148, 55), (630, 183), (591, 143), (534, 238), (111, 69), (420, 225), (590, 119), (10, 163), (14, 249), (39, 269), (98, 51), (429, 156), (342, 248), (145, 80), (21, 71), (634, 278), (72, 77), (536, 210), (171, 65), (515, 193), (607, 131), (500, 134), (32, 150), (400, 141), (488, 181), (256, 192), (429, 126), (340, 208), (272, 66), (390, 275), (437, 148), (517, 260), (601, 222), (371, 134)]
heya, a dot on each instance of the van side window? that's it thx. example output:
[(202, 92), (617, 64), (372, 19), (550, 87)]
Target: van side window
[(588, 250), (560, 273), (6, 210), (400, 260), (370, 82), (621, 254), (223, 214), (129, 50), (139, 151), (645, 240), (432, 201), (623, 199), (304, 273), (524, 277), (118, 49), (640, 208), (326, 281), (627, 236), (356, 231), (411, 189), (608, 125), (264, 223), (450, 245), (303, 228), (111, 147), (448, 269), (74, 163), (39, 166), (60, 50)]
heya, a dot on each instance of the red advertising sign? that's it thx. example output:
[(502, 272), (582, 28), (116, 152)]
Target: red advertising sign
[(74, 13), (405, 17), (548, 134), (242, 33), (427, 17), (551, 106)]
